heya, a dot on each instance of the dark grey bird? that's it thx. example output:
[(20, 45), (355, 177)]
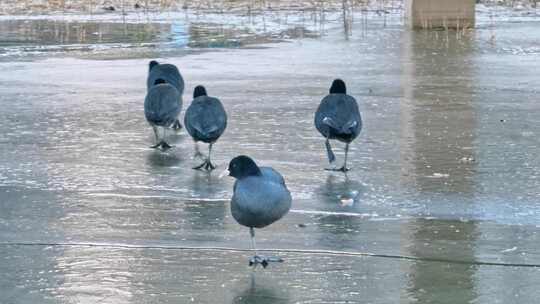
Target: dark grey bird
[(338, 117), (260, 198), (205, 121), (170, 74), (161, 109)]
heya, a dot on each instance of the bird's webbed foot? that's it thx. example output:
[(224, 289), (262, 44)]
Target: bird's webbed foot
[(332, 168), (162, 145), (264, 261), (343, 169), (209, 166), (335, 169), (165, 146), (206, 165)]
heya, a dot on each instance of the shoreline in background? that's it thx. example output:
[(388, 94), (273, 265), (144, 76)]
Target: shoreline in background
[(91, 7), (227, 6), (112, 35)]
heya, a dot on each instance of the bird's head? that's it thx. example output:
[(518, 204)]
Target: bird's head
[(243, 166), (338, 87), (152, 64), (199, 91)]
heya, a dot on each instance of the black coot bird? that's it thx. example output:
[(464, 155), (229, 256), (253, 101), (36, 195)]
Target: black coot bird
[(260, 198), (170, 74), (205, 121), (338, 118), (161, 108)]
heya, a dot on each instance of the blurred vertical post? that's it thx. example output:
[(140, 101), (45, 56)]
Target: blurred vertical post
[(427, 14), (345, 21)]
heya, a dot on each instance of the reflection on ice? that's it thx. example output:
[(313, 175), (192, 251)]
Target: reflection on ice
[(341, 191), (164, 159), (260, 290), (103, 39)]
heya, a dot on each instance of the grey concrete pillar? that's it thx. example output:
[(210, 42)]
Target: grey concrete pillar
[(427, 14)]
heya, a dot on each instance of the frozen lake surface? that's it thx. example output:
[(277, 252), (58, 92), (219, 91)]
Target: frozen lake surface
[(442, 204)]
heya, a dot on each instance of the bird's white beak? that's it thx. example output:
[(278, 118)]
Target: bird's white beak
[(225, 172)]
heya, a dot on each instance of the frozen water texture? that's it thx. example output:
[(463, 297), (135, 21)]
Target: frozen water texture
[(441, 205)]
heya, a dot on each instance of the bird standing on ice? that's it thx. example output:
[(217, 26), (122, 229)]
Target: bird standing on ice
[(205, 121), (161, 102), (338, 118), (161, 109), (260, 198)]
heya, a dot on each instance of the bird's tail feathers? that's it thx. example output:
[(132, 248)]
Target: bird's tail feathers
[(349, 126), (346, 128), (331, 123), (212, 129), (206, 131)]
